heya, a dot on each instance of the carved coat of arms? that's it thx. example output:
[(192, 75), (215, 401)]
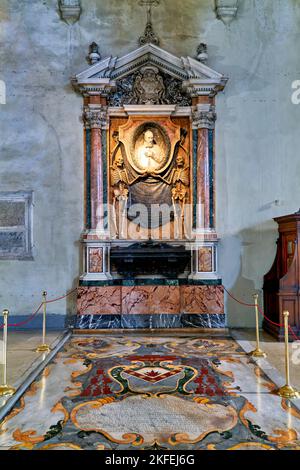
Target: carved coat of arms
[(149, 87)]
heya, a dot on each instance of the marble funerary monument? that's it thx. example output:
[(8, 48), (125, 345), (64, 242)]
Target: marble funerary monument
[(150, 244)]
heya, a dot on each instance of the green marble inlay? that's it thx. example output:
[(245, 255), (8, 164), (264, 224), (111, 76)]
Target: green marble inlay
[(152, 282)]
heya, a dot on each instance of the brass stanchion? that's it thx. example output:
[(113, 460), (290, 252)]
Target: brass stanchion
[(287, 391), (257, 351), (5, 390), (44, 347)]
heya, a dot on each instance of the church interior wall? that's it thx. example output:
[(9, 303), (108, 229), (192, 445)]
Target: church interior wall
[(257, 135)]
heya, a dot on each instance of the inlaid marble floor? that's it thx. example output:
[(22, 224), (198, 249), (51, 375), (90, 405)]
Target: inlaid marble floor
[(22, 357), (141, 392)]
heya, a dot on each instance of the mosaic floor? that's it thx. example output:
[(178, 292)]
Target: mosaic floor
[(139, 392)]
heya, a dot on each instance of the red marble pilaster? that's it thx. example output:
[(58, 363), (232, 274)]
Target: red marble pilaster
[(95, 117), (96, 180), (203, 199)]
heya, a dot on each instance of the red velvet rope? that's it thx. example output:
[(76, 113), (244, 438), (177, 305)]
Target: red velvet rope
[(262, 313), (238, 301), (38, 309), (73, 290)]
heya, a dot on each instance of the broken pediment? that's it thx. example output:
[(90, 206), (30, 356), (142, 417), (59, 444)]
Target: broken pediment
[(149, 75)]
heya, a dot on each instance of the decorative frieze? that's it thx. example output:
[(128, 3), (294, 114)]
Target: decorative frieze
[(226, 10), (95, 117), (70, 10), (204, 116)]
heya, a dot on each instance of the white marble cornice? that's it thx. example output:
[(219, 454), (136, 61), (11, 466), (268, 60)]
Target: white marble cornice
[(196, 77), (150, 110)]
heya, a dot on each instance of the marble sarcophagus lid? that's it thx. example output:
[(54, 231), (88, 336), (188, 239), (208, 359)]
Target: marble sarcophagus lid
[(150, 258)]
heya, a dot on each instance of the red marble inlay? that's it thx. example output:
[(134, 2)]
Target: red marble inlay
[(207, 383), (99, 300), (150, 299), (203, 299), (205, 259), (98, 385), (95, 260)]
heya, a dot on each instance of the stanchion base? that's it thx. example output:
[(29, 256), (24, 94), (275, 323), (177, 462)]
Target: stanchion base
[(6, 390), (258, 353), (287, 392), (43, 348)]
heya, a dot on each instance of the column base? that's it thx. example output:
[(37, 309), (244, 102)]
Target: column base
[(96, 277), (6, 391)]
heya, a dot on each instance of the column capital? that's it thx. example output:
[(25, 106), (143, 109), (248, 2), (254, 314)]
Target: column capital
[(95, 116), (204, 116)]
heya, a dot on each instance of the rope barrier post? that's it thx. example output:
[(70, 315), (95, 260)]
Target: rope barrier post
[(287, 391), (5, 390), (44, 347), (257, 351)]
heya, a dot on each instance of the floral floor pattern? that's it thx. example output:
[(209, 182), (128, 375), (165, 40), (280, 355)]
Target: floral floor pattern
[(144, 392)]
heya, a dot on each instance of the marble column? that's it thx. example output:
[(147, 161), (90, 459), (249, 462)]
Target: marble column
[(95, 117), (205, 246), (204, 117)]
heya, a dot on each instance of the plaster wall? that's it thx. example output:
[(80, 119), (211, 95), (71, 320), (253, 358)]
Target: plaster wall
[(41, 142)]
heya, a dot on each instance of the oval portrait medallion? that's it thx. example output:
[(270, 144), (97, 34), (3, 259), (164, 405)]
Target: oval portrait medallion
[(150, 149)]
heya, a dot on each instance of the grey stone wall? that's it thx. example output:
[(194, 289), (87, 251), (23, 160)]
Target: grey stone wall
[(257, 135)]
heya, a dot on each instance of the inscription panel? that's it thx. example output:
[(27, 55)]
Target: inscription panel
[(15, 225)]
